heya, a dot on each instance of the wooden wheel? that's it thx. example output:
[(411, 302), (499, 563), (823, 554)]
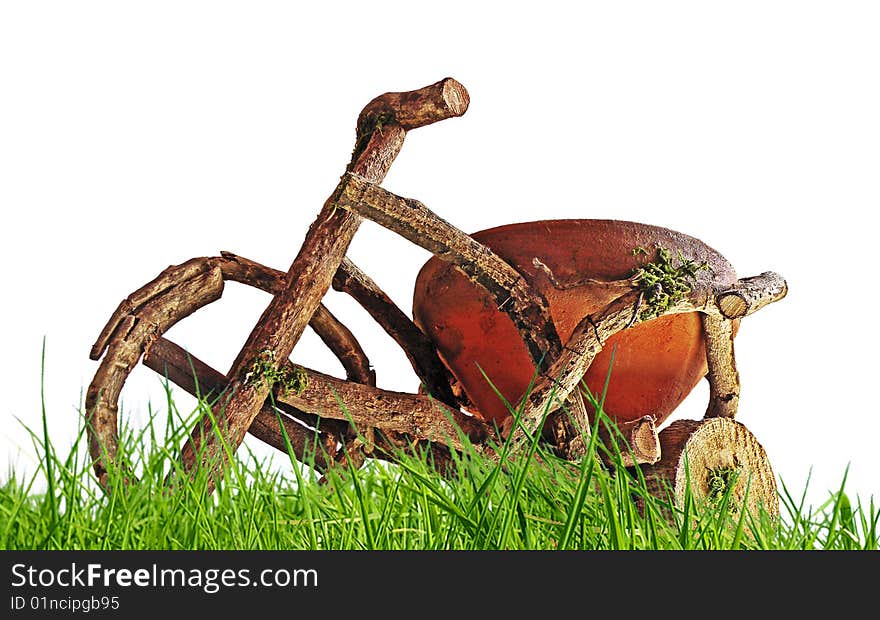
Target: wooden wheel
[(711, 458)]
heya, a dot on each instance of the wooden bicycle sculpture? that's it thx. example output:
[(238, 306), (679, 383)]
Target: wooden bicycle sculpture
[(538, 307)]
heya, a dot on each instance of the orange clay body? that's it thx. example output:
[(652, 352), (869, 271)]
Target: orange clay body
[(656, 363)]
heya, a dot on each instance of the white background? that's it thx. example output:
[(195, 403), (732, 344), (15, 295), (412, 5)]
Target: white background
[(134, 136)]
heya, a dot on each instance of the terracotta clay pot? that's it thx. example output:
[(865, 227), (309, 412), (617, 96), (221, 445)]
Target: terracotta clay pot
[(656, 364)]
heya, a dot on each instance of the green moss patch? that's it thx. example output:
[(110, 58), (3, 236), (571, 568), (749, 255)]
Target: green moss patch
[(264, 368), (720, 481), (662, 282)]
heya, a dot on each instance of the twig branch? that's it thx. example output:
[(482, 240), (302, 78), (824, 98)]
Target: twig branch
[(344, 346), (334, 334), (751, 294), (747, 296), (419, 350), (169, 278), (325, 397), (568, 428), (414, 221), (640, 445), (723, 376), (202, 381), (589, 337), (415, 415), (380, 137), (614, 288), (329, 329), (587, 340)]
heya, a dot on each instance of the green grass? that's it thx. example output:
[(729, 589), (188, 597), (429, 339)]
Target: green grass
[(535, 501)]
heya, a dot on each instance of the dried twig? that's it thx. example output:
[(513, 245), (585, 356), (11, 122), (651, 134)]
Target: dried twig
[(414, 221), (202, 381), (751, 294), (420, 351), (324, 397), (382, 127), (329, 329), (638, 442), (587, 340), (723, 376), (126, 341), (747, 296), (415, 415), (589, 337)]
